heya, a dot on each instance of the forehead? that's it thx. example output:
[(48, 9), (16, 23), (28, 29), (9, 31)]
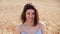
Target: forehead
[(30, 11)]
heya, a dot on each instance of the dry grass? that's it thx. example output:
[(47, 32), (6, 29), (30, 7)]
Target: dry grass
[(10, 11)]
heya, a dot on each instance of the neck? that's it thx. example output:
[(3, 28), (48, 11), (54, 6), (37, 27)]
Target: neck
[(29, 23)]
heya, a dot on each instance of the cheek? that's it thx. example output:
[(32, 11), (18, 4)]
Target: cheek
[(33, 16), (30, 16), (27, 15)]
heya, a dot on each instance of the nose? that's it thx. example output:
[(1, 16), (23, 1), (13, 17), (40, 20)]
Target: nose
[(31, 15)]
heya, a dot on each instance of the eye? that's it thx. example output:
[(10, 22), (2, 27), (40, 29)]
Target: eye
[(28, 13), (33, 13)]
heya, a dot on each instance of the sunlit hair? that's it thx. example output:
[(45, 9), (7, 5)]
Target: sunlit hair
[(23, 15)]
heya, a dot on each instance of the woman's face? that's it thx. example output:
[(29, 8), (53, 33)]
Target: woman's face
[(30, 14)]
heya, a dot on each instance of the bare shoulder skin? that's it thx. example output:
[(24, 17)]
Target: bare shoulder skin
[(27, 29), (42, 27), (18, 29)]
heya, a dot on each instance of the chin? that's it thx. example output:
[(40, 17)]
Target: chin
[(30, 20)]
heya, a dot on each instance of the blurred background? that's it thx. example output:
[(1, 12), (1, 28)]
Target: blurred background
[(10, 11)]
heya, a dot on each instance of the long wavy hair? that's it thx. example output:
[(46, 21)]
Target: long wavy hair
[(23, 15)]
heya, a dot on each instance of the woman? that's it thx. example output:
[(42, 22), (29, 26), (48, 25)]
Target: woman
[(30, 22)]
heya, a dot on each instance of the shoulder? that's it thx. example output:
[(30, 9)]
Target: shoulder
[(19, 27), (42, 25)]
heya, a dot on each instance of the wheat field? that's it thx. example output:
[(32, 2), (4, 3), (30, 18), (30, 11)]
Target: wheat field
[(10, 11)]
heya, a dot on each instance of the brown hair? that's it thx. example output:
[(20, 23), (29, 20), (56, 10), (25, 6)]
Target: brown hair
[(23, 16)]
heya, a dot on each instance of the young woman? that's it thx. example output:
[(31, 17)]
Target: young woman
[(30, 22)]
